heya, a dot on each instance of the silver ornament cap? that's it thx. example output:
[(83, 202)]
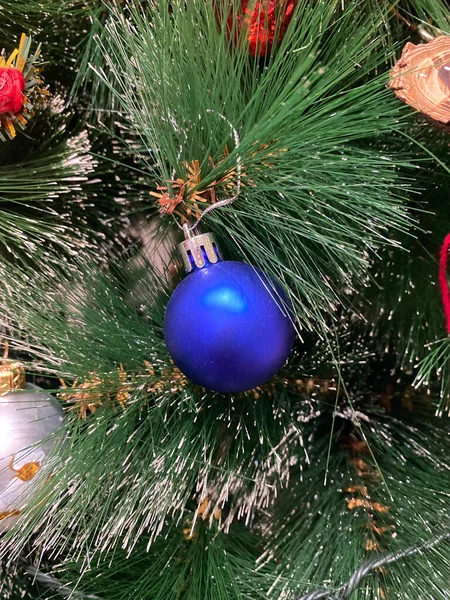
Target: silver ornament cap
[(198, 249)]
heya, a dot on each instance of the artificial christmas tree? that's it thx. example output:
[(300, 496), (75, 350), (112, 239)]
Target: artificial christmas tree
[(320, 472)]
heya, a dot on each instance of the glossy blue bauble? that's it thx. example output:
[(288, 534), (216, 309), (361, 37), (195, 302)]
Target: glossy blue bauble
[(226, 329)]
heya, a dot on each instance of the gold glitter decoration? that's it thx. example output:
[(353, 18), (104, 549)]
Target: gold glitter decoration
[(116, 388), (204, 510), (183, 196), (86, 396), (353, 503), (360, 496)]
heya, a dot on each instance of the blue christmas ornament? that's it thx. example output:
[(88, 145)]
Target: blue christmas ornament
[(226, 327)]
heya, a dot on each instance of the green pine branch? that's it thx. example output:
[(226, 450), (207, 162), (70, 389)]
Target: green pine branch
[(432, 15), (318, 195)]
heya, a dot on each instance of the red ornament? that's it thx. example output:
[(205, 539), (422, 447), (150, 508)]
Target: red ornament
[(263, 21), (443, 281), (12, 84)]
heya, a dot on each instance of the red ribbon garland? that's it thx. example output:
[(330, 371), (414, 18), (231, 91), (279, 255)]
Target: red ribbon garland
[(443, 283)]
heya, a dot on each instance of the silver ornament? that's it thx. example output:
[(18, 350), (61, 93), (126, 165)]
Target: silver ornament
[(26, 418)]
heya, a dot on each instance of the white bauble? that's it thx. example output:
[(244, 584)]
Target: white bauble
[(26, 417)]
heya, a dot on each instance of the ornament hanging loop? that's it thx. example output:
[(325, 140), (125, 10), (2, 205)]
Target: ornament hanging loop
[(443, 283), (189, 232), (230, 200), (225, 201)]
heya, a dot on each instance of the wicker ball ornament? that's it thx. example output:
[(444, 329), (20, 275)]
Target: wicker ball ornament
[(421, 78)]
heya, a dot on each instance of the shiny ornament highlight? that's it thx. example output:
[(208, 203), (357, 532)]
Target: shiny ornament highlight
[(226, 327), (26, 417)]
